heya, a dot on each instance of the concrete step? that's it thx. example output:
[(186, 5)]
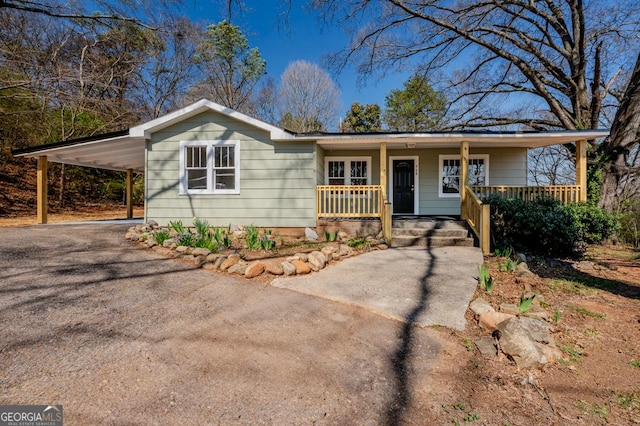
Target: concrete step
[(416, 241), (430, 232)]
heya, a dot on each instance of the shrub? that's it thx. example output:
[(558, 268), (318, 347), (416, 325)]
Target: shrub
[(548, 227), (594, 225), (485, 280), (177, 226), (161, 236), (539, 226)]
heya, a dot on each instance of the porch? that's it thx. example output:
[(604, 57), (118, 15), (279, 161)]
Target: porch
[(381, 201)]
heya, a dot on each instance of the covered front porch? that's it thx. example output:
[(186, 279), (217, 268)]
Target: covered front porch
[(425, 175)]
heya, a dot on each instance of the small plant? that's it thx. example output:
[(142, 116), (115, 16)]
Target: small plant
[(186, 239), (557, 315), (266, 242), (161, 236), (628, 400), (593, 409), (509, 265), (221, 236), (634, 363), (177, 226), (504, 252), (525, 303), (587, 312), (573, 353), (485, 280), (252, 237), (358, 242), (202, 226), (330, 236), (467, 344)]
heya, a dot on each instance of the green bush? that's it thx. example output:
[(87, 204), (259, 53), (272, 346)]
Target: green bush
[(162, 236), (547, 227), (593, 223)]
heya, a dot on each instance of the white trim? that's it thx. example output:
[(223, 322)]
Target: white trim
[(346, 159), (416, 180), (443, 157), (146, 129), (209, 144)]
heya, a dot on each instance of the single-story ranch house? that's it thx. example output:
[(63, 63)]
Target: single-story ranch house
[(211, 162)]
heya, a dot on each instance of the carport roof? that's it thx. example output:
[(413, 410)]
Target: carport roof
[(111, 151)]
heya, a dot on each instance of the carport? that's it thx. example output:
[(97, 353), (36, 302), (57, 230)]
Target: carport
[(116, 151)]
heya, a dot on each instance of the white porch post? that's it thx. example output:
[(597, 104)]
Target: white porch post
[(464, 170), (581, 169)]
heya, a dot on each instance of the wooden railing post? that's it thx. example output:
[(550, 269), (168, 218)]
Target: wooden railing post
[(129, 193), (42, 199), (485, 226), (464, 170), (386, 223), (581, 169)]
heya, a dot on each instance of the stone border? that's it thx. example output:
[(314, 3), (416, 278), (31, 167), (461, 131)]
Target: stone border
[(300, 263)]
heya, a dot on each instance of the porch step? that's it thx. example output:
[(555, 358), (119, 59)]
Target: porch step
[(429, 232)]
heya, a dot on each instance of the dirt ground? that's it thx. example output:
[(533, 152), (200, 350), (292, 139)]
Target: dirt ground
[(170, 344)]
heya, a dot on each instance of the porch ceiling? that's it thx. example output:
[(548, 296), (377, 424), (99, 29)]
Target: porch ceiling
[(339, 141), (116, 151)]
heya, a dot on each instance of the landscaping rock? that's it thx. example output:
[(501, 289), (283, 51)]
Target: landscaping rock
[(490, 320), (209, 266), (343, 236), (310, 234), (302, 268), (151, 242), (522, 266), (487, 347), (212, 257), (254, 269), (201, 251), (274, 268), (152, 224), (229, 262), (238, 269), (345, 250), (521, 257), (537, 312), (317, 259), (300, 256), (525, 273), (527, 341), (219, 261), (327, 250), (382, 246), (182, 249), (132, 236), (288, 268), (168, 243), (509, 308), (479, 305)]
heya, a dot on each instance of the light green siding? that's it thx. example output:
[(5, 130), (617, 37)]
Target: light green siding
[(277, 180)]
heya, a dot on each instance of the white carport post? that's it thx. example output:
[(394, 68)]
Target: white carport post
[(42, 199)]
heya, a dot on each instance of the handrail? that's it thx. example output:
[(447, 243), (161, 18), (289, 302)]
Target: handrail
[(477, 215)]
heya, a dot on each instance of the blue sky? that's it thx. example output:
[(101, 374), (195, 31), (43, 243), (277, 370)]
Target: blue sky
[(305, 39)]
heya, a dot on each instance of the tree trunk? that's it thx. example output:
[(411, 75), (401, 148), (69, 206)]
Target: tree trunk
[(624, 133)]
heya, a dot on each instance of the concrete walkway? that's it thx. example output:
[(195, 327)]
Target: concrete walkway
[(423, 286)]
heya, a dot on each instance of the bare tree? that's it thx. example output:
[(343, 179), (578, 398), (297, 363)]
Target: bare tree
[(562, 57), (309, 100)]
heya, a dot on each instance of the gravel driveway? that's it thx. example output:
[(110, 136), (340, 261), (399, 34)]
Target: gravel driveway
[(118, 335)]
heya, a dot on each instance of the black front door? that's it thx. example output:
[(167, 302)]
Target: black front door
[(403, 186)]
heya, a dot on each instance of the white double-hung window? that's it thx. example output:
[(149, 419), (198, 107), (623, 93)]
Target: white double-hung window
[(210, 167), (347, 170), (449, 173)]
